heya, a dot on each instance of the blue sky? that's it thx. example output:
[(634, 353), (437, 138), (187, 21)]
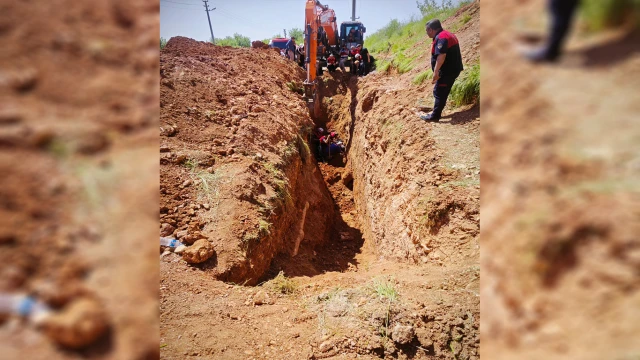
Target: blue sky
[(260, 19)]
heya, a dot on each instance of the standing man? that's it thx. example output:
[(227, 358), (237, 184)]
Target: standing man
[(290, 48), (446, 63), (562, 13)]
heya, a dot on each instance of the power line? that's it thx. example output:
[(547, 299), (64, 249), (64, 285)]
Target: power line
[(175, 7), (175, 2), (238, 17)]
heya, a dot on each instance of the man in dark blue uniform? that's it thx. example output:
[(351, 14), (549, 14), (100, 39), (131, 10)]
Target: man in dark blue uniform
[(446, 63), (562, 13), (290, 48)]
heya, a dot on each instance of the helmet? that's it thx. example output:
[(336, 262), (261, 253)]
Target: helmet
[(358, 56)]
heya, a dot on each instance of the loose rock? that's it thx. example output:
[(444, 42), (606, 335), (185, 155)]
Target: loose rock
[(78, 325), (166, 229), (403, 334), (199, 252), (261, 298)]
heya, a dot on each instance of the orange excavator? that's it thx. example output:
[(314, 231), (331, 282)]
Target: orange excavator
[(320, 36)]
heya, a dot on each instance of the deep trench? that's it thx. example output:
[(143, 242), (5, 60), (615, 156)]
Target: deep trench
[(338, 252)]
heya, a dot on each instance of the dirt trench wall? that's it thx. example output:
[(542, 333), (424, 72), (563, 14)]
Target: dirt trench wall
[(403, 211), (235, 166), (304, 213)]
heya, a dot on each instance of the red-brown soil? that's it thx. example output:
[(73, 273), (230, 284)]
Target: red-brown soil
[(560, 251), (78, 153), (387, 265)]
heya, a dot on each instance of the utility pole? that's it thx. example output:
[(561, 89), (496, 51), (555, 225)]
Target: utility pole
[(285, 32), (353, 10), (206, 7)]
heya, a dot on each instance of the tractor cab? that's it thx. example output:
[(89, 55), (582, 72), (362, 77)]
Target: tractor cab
[(352, 33)]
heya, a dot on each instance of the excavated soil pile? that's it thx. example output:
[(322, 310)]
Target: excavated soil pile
[(560, 200), (236, 169), (78, 143)]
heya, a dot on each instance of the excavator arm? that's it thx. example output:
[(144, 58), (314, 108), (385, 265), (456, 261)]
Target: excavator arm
[(319, 21)]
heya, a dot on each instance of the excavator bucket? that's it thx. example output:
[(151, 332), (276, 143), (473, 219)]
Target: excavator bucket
[(312, 95)]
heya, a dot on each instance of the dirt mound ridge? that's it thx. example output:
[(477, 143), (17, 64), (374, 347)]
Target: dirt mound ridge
[(234, 160)]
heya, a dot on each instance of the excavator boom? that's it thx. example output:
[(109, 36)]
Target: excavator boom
[(312, 23)]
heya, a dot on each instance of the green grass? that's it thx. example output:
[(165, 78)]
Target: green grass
[(191, 164), (264, 227), (295, 87), (420, 78), (283, 284), (600, 14), (303, 148), (273, 170), (209, 185), (466, 90), (385, 289), (394, 44), (282, 192)]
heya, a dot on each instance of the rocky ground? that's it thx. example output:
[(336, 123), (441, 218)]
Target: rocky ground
[(560, 251), (78, 153)]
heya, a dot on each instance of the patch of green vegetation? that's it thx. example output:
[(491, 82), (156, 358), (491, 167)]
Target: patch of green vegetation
[(209, 114), (384, 289), (290, 151), (328, 296), (237, 40), (251, 236), (264, 227), (297, 33), (420, 78), (303, 149), (465, 19), (295, 87), (163, 43), (273, 170), (394, 44), (600, 14), (462, 183), (282, 192), (209, 185), (466, 90), (191, 164), (282, 284), (462, 22), (58, 148)]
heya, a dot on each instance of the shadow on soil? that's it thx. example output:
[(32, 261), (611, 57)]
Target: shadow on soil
[(338, 254), (462, 117), (613, 52)]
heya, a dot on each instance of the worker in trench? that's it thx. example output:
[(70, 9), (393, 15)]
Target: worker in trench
[(446, 63), (344, 55), (331, 63)]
